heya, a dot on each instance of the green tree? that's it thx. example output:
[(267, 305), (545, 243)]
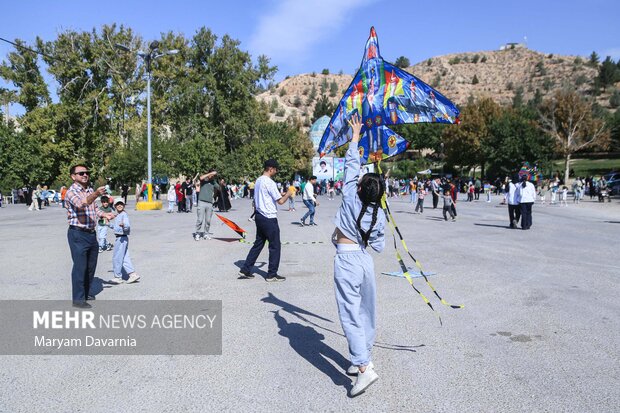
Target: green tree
[(475, 80), (568, 119), (614, 100), (402, 62), (517, 99), (594, 59), (463, 144), (333, 88), (608, 73), (322, 107), (22, 70), (512, 140)]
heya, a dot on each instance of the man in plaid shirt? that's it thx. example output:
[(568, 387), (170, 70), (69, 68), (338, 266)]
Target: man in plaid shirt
[(83, 213)]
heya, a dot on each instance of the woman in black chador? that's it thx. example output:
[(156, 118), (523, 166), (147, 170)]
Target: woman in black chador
[(223, 197)]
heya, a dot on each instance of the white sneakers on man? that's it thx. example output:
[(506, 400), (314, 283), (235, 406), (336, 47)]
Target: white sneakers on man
[(364, 380)]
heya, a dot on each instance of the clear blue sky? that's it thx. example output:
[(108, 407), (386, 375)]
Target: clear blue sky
[(303, 36)]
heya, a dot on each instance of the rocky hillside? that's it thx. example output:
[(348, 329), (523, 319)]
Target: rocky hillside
[(499, 74), (496, 74)]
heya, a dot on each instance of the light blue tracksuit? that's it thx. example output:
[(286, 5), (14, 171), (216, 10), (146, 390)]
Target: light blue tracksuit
[(121, 261), (354, 273)]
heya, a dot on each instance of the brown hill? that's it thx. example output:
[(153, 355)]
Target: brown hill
[(495, 74)]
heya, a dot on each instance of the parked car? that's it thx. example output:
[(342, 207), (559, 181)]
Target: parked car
[(612, 177), (614, 187)]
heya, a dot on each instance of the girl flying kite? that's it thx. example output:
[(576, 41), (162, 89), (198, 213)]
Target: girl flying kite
[(360, 222)]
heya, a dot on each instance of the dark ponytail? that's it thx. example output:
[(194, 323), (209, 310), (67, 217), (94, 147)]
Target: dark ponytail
[(372, 188)]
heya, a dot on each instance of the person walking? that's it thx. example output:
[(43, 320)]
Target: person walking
[(527, 196), (206, 201), (360, 223), (477, 188), (514, 209), (309, 201), (447, 202), (188, 191), (82, 213), (435, 192), (172, 198), (420, 204), (266, 199)]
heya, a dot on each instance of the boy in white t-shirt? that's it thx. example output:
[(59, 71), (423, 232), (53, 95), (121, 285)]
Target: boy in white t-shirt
[(267, 197)]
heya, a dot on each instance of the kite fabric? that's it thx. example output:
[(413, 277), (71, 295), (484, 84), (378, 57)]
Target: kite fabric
[(383, 95), (232, 225), (412, 272), (531, 173)]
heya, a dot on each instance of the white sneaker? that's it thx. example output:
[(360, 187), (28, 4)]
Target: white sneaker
[(117, 280), (364, 380), (206, 236), (133, 277), (354, 370)]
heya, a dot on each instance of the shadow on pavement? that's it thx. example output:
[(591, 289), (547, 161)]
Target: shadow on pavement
[(256, 269), (298, 311), (308, 343), (98, 285), (491, 225), (227, 239)]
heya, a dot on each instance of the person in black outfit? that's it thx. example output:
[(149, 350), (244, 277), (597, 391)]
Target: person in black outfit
[(188, 191)]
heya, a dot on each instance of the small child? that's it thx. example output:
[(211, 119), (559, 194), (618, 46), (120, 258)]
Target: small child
[(487, 191), (542, 193), (102, 226), (420, 204), (447, 203), (172, 198), (360, 222), (121, 261), (564, 196), (291, 200)]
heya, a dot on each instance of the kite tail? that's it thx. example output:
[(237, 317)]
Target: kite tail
[(406, 272), (417, 263), (394, 228)]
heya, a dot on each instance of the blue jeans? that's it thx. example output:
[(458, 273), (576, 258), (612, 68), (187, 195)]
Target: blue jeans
[(267, 229), (84, 252), (310, 213), (121, 261)]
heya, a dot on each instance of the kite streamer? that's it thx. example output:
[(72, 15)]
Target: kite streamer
[(395, 230)]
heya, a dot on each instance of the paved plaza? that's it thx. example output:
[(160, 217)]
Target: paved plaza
[(540, 331)]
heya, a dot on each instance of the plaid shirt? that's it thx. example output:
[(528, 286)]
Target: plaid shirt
[(79, 213)]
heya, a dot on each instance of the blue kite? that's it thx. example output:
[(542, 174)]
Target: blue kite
[(384, 95)]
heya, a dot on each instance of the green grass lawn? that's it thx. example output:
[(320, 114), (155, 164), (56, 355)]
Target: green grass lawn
[(588, 167)]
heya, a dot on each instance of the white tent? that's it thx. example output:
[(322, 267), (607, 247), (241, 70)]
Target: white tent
[(425, 172)]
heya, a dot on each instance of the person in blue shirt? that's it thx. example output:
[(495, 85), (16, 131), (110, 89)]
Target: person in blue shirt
[(360, 222)]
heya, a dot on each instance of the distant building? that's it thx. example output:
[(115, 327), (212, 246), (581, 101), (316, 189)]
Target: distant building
[(509, 46), (317, 129)]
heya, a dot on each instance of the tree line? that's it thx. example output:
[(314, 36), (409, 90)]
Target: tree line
[(204, 114)]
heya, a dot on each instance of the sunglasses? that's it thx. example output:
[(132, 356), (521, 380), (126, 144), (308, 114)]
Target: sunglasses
[(82, 173)]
